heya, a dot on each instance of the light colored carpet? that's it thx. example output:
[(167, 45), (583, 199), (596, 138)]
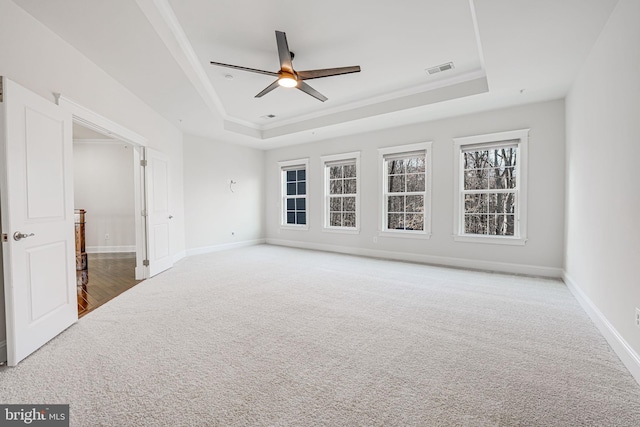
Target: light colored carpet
[(270, 336)]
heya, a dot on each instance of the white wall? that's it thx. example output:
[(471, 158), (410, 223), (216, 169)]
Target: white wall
[(36, 58), (213, 212), (543, 252), (104, 187), (603, 200)]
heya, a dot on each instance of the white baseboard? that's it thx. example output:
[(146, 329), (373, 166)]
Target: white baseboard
[(224, 247), (530, 270), (3, 351), (110, 249), (624, 351), (180, 255)]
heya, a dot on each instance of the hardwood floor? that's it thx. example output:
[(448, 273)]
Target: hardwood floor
[(108, 275)]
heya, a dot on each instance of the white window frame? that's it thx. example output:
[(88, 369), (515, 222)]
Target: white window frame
[(486, 141), (399, 150), (327, 162), (284, 166)]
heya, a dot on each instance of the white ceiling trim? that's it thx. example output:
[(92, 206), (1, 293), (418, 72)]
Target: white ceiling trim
[(381, 99), (476, 30), (104, 141), (470, 84), (164, 21), (166, 24)]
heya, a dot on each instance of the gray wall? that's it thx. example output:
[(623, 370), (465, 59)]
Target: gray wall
[(543, 252), (104, 187), (212, 210), (36, 58), (603, 200), (26, 44)]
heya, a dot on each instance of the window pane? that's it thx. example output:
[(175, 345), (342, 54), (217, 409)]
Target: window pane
[(349, 220), (476, 179), (475, 159), (335, 172), (496, 178), (415, 204), (301, 218), (502, 178), (335, 220), (291, 217), (501, 225), (335, 186), (395, 221), (301, 204), (302, 187), (416, 164), (475, 203), (335, 204), (414, 222), (510, 177), (475, 224), (415, 182), (350, 186), (291, 204), (501, 203), (291, 189), (291, 176), (503, 157), (349, 204), (396, 183), (395, 204), (302, 175), (349, 171), (395, 166)]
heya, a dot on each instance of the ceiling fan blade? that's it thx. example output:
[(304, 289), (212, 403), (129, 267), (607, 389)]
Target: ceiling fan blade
[(283, 52), (327, 72), (268, 89), (311, 91), (252, 70)]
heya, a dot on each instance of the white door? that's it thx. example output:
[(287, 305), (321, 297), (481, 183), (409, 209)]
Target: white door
[(36, 186), (158, 213)]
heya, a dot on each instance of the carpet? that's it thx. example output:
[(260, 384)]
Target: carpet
[(273, 336)]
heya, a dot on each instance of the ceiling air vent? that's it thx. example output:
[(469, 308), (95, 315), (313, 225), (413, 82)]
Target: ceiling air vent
[(440, 68)]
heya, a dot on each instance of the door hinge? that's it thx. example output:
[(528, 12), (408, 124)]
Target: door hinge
[(1, 91), (5, 237), (143, 212), (145, 262), (143, 163)]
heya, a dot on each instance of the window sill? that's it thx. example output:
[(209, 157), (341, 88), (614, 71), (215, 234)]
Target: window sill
[(341, 230), (494, 240), (294, 227), (405, 234)]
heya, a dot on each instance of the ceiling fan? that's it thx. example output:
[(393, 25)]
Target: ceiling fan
[(288, 77)]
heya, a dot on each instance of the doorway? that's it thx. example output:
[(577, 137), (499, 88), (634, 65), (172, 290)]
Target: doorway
[(37, 212), (104, 201)]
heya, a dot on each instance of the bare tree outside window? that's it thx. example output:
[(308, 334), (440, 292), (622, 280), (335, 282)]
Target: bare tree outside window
[(490, 189), (342, 195), (405, 192)]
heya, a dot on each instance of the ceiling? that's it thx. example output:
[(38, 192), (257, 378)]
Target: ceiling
[(504, 53)]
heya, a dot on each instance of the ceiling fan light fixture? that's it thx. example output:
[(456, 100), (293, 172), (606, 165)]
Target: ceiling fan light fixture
[(287, 81)]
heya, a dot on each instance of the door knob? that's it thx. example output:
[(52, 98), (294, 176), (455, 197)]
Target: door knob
[(170, 216), (18, 236)]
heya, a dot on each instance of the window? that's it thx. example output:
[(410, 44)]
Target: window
[(294, 193), (342, 189), (491, 181), (406, 190)]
